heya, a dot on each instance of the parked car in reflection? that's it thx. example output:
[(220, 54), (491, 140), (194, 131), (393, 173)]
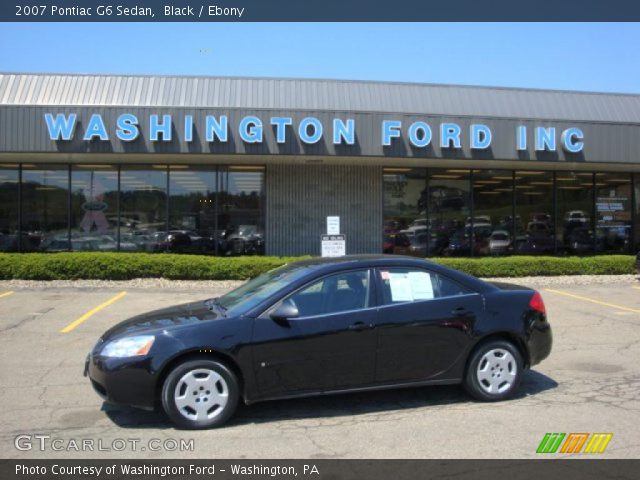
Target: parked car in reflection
[(575, 218), (245, 240), (460, 241), (537, 243), (500, 242), (542, 218), (397, 244), (484, 220)]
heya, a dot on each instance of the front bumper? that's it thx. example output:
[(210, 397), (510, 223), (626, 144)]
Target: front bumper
[(123, 381)]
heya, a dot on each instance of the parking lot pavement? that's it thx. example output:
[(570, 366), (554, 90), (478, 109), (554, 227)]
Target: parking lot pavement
[(590, 383)]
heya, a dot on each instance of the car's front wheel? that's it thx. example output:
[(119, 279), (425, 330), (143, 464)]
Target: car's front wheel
[(200, 393), (494, 371)]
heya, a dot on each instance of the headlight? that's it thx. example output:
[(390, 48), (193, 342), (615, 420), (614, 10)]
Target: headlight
[(128, 346)]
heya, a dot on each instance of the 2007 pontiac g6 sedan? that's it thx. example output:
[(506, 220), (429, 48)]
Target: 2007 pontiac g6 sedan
[(323, 326)]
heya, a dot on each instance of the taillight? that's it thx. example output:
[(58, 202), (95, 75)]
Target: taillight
[(537, 303)]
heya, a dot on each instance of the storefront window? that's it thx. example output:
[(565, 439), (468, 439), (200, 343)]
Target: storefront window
[(143, 208), (405, 209), (45, 208), (240, 211), (575, 212), (449, 208), (493, 223), (534, 223), (94, 208), (9, 208), (613, 213), (192, 210)]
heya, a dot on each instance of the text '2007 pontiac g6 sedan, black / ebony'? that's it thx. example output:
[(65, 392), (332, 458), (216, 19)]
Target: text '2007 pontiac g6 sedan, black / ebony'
[(323, 326)]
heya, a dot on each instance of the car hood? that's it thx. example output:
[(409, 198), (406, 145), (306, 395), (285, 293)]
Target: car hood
[(166, 318)]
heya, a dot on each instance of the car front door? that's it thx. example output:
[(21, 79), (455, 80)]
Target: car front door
[(331, 343), (424, 324)]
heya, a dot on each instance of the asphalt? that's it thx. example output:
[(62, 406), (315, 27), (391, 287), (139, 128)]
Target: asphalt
[(590, 383)]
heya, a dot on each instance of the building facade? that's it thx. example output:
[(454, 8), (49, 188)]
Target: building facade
[(233, 166)]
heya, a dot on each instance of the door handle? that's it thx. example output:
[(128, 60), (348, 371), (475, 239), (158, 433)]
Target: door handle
[(359, 326), (461, 312)]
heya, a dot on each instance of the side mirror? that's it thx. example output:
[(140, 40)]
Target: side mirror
[(284, 312)]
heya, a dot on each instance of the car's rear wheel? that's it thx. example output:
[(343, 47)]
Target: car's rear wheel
[(200, 394), (494, 371)]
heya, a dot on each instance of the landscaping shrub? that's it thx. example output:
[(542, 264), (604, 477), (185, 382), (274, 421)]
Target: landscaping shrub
[(124, 266)]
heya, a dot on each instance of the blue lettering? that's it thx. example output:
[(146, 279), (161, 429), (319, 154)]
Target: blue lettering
[(449, 133), (571, 140), (522, 138), (342, 131), (96, 128), (480, 136), (281, 127), (60, 128), (425, 137), (390, 129), (188, 128), (127, 130), (303, 130), (217, 128), (545, 139), (163, 128), (250, 129)]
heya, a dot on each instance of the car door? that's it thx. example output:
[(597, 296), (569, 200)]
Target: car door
[(424, 323), (329, 346)]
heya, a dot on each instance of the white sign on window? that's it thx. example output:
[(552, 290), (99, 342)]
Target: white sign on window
[(333, 225), (409, 286)]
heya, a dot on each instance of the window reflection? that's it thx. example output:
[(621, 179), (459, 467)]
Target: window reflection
[(575, 211), (636, 183), (405, 222), (45, 208), (449, 206), (240, 211), (613, 213), (94, 208), (192, 210), (143, 208), (534, 222), (9, 235), (493, 222)]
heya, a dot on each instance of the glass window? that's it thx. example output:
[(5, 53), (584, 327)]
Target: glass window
[(336, 293), (575, 212), (9, 210), (613, 213), (192, 210), (449, 205), (492, 223), (94, 208), (405, 209), (45, 208), (534, 222), (240, 211), (143, 208), (400, 285)]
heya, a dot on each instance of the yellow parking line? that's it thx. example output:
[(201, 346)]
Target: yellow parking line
[(6, 294), (637, 288), (92, 312), (619, 307)]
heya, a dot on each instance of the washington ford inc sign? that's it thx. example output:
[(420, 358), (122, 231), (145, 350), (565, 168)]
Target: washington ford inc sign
[(309, 130)]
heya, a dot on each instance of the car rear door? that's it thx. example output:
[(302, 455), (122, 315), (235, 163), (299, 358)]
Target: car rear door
[(330, 345), (424, 323)]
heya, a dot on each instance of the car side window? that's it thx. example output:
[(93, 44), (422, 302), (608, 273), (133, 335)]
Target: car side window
[(333, 294), (400, 285)]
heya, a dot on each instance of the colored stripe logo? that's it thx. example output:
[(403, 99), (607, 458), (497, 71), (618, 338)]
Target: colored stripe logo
[(574, 442)]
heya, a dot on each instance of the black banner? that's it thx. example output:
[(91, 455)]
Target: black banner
[(318, 11), (585, 469)]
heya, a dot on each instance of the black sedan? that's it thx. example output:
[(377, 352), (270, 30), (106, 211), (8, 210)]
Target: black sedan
[(323, 326)]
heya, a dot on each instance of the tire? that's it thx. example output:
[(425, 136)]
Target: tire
[(200, 394), (494, 371)]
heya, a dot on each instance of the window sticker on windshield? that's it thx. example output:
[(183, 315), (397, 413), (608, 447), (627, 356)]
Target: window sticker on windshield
[(384, 275)]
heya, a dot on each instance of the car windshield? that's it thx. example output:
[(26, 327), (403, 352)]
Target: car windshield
[(247, 296)]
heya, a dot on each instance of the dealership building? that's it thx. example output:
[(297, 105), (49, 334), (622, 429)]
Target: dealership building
[(232, 166)]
